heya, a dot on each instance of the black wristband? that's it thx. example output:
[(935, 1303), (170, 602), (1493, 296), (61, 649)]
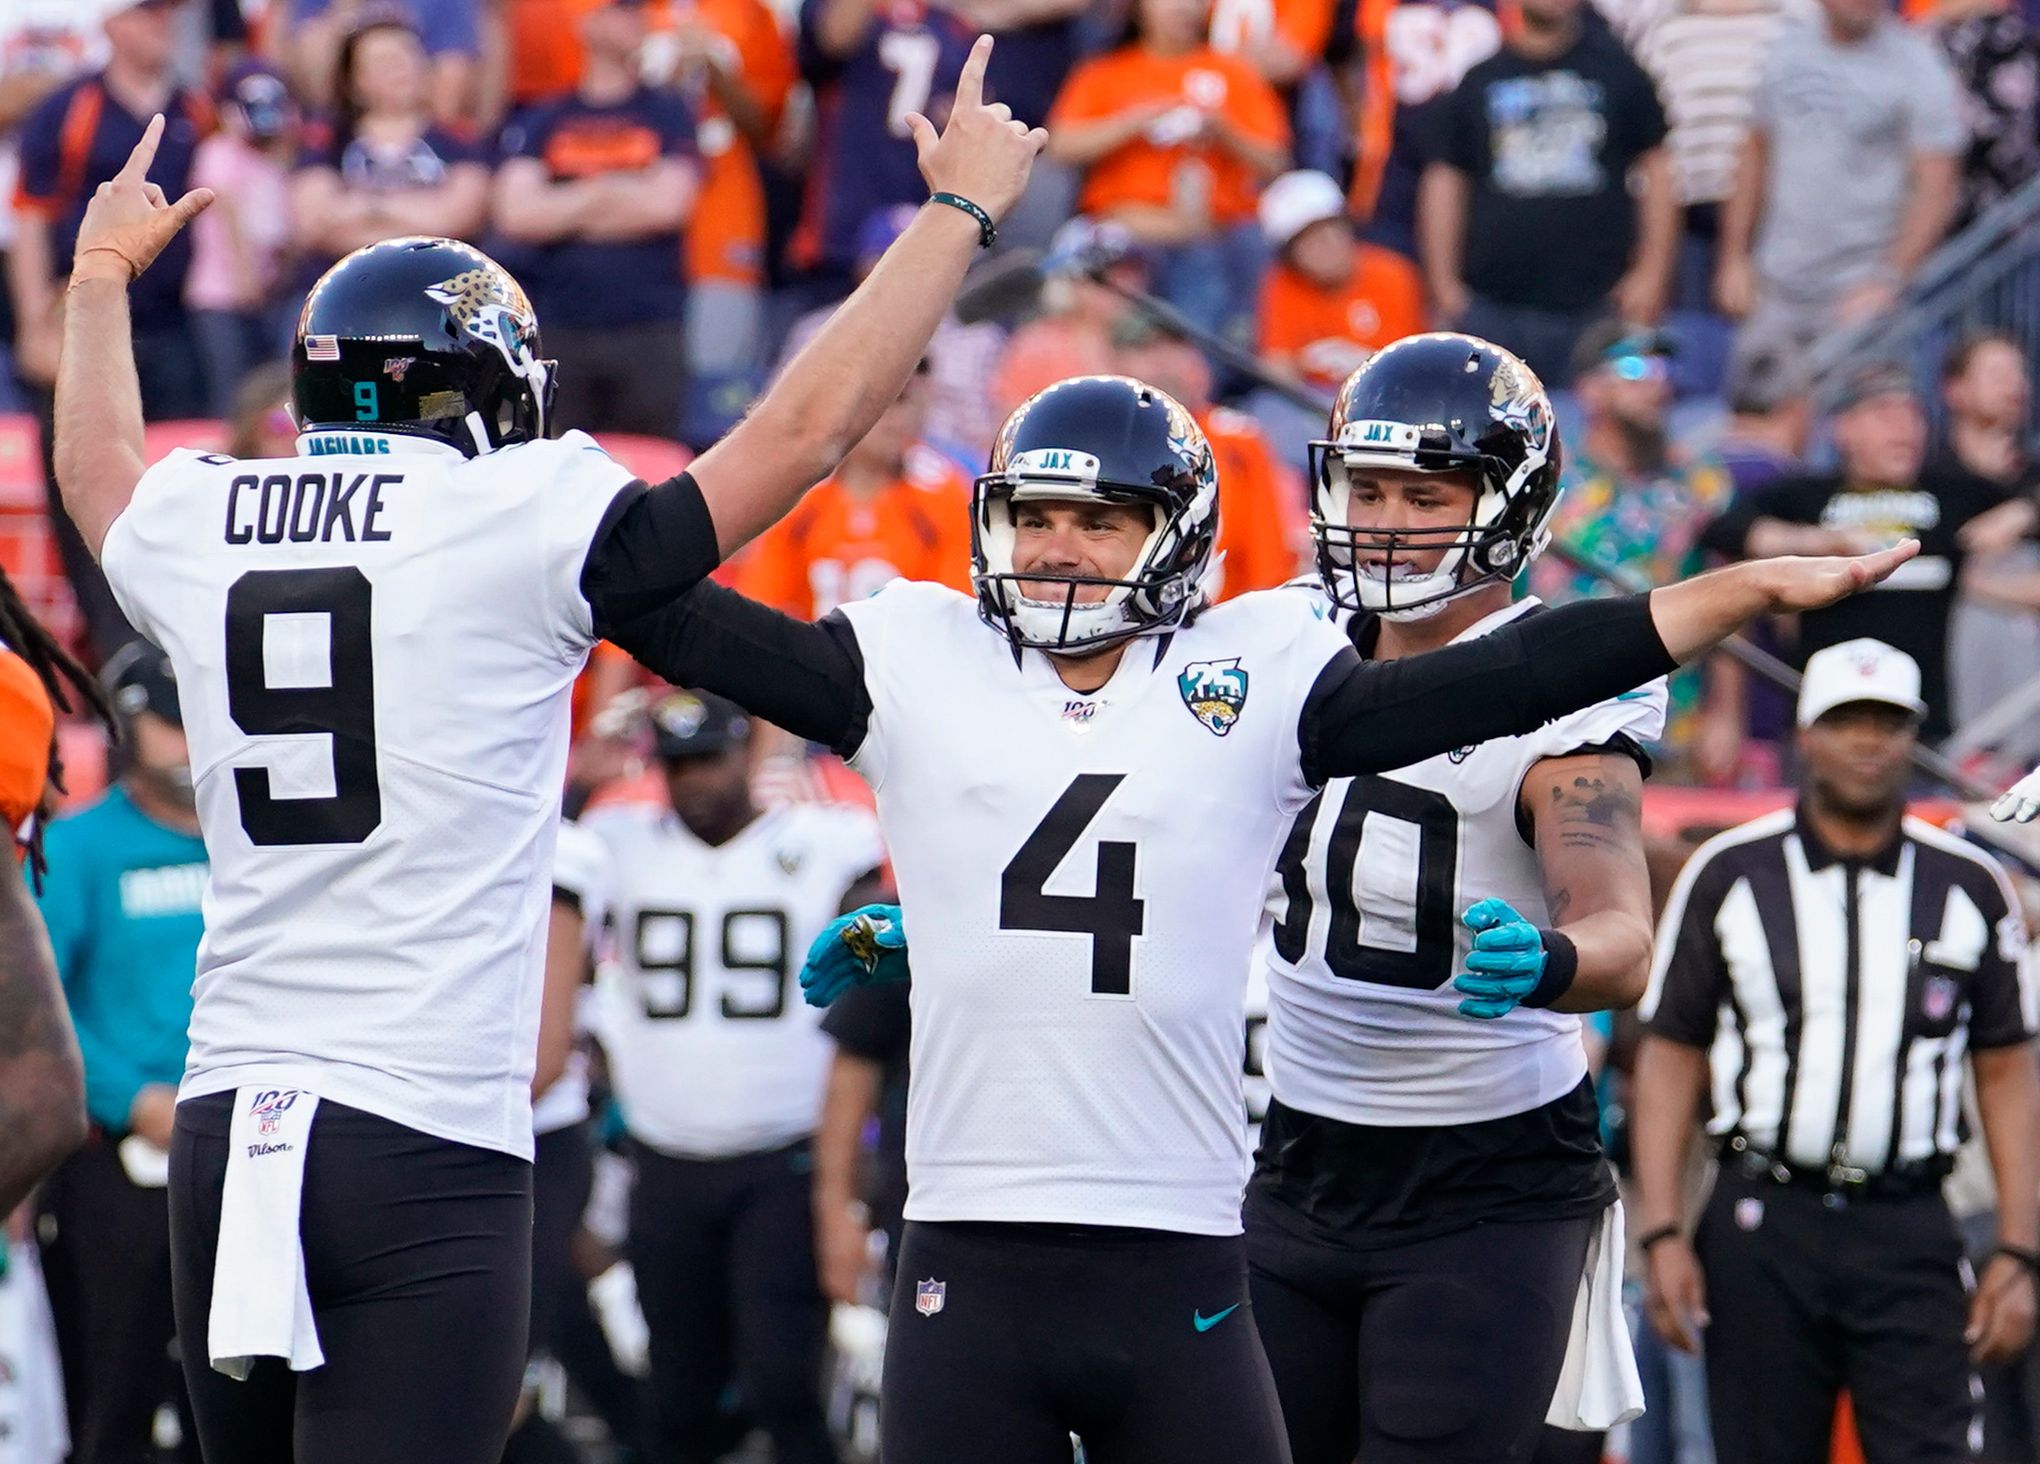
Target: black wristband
[(987, 230), (2029, 1259), (1652, 1237), (1561, 965)]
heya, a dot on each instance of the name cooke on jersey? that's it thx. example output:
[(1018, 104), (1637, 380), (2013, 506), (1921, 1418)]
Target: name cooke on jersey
[(304, 508)]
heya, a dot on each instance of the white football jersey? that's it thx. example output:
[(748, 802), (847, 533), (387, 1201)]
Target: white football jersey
[(1361, 936), (374, 645), (580, 868), (1081, 877), (712, 1050)]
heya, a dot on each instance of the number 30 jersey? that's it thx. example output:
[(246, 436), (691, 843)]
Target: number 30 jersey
[(711, 1047), (375, 644), (1362, 934), (1081, 877)]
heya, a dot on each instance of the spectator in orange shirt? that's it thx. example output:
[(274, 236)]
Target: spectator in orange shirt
[(735, 65), (894, 509), (1175, 139), (1262, 537), (1329, 301)]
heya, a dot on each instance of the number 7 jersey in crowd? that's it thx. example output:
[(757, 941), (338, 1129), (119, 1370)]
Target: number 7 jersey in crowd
[(1081, 878), (375, 644)]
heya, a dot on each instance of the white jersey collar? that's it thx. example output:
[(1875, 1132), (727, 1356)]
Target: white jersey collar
[(1495, 621), (371, 444)]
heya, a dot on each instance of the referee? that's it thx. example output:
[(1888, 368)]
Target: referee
[(1823, 971)]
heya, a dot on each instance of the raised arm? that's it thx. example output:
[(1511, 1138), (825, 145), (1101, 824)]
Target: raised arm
[(99, 450), (1371, 716), (807, 678), (834, 390)]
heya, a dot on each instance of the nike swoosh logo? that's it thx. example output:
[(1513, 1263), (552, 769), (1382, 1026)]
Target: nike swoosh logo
[(1205, 1324)]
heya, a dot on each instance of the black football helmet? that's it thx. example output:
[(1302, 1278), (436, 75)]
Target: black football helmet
[(1113, 439), (1436, 403), (424, 337)]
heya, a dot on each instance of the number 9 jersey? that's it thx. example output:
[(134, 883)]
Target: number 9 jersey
[(375, 644), (1363, 936)]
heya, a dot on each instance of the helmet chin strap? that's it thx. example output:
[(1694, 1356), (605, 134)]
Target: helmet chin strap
[(479, 431)]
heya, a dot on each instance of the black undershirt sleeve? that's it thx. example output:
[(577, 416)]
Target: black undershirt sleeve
[(652, 546), (807, 678), (1371, 716)]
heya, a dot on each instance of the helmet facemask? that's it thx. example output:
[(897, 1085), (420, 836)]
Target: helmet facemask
[(1158, 592)]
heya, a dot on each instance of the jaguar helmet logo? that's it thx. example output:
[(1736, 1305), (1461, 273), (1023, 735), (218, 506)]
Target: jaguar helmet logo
[(487, 305)]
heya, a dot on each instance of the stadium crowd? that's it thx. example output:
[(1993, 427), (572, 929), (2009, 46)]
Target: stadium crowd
[(1668, 208)]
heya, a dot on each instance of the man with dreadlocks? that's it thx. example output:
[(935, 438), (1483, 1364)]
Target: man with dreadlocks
[(34, 673), (42, 1083)]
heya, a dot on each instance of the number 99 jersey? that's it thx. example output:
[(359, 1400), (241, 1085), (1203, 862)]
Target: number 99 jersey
[(1362, 934), (375, 644), (711, 1049)]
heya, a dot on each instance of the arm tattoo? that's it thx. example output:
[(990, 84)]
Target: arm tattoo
[(1596, 808), (1593, 811)]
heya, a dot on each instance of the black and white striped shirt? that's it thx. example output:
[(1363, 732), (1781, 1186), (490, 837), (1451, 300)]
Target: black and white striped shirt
[(1836, 997)]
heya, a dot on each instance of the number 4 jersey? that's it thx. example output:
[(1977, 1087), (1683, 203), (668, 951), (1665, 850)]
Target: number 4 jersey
[(1081, 878), (1363, 935), (375, 644), (712, 1049)]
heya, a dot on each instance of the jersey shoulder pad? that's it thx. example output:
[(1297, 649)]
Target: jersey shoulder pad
[(1638, 714), (841, 828), (581, 864), (615, 824), (572, 458)]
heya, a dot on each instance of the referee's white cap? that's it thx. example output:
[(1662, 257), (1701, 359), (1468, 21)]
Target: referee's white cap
[(1858, 671)]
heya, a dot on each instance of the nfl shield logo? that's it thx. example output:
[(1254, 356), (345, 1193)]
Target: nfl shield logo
[(1937, 1001), (1749, 1213), (928, 1297)]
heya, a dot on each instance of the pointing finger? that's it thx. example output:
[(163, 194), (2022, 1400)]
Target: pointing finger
[(970, 86), (139, 161)]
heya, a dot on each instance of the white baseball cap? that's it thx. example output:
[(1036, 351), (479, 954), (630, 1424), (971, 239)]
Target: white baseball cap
[(1295, 201), (1856, 671)]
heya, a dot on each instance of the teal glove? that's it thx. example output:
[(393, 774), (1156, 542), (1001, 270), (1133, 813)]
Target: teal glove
[(863, 948), (1508, 964)]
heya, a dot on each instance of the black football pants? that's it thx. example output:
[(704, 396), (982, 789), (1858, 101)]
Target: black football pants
[(724, 1255), (418, 1260), (1139, 1341), (106, 1263), (1437, 1351), (1808, 1297)]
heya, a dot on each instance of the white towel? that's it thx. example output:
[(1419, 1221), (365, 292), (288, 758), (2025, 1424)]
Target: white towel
[(260, 1306), (1598, 1387)]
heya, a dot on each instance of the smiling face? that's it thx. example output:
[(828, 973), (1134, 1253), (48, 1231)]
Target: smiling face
[(1383, 502), (1076, 538)]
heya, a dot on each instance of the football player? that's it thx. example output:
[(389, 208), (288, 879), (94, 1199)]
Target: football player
[(1431, 1167), (718, 1067), (1084, 775), (376, 641)]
